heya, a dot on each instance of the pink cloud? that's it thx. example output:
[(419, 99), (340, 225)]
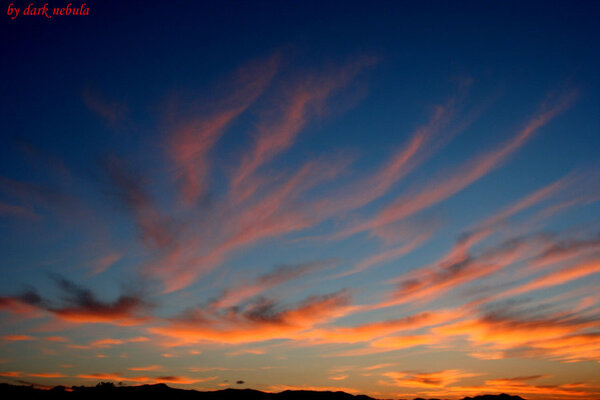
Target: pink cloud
[(442, 188), (191, 142), (305, 99)]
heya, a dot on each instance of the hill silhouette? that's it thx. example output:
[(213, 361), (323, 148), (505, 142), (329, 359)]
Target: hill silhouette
[(161, 391)]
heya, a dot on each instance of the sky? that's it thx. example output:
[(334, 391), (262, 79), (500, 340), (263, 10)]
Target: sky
[(393, 198)]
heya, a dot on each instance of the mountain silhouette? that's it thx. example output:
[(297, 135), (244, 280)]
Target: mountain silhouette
[(109, 391)]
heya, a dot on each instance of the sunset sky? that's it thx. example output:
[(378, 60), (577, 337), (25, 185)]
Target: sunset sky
[(393, 198)]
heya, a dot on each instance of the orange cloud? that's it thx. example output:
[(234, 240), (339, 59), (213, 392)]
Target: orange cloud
[(565, 250), (458, 268), (515, 380), (370, 331), (338, 377), (571, 348), (556, 278), (114, 377), (80, 306), (47, 375), (22, 305), (299, 104), (138, 339), (145, 368), (18, 338), (109, 342), (11, 374), (378, 366), (528, 201), (106, 343), (503, 333), (439, 379), (56, 339), (117, 315), (560, 336), (256, 324)]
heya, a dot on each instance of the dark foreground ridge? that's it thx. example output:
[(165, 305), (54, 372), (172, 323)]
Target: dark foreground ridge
[(161, 391)]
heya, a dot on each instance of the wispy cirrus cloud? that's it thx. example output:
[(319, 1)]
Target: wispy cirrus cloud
[(277, 276), (17, 338), (11, 374), (565, 250), (469, 172), (58, 339), (190, 143), (17, 374), (274, 214), (419, 147)]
